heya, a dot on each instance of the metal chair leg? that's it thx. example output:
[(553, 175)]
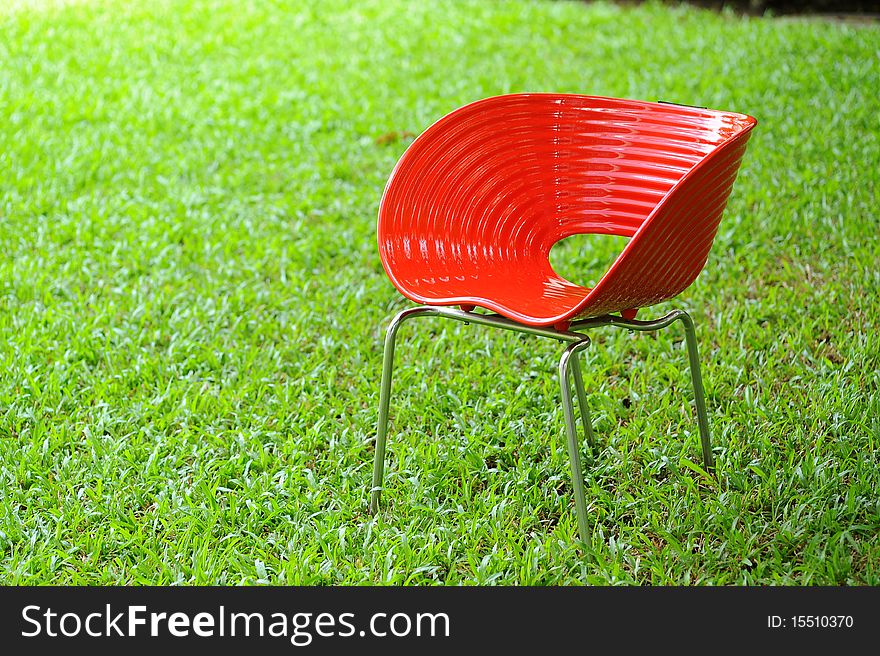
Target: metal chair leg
[(699, 396), (577, 480), (693, 357), (577, 341), (384, 401), (582, 402)]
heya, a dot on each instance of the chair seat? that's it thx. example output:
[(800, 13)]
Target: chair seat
[(529, 292)]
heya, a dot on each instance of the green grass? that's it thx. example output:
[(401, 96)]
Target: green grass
[(192, 305)]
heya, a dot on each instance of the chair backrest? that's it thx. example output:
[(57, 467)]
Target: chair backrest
[(503, 179)]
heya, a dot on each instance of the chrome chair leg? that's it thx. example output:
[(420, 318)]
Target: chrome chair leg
[(384, 401), (569, 360), (699, 396), (693, 357)]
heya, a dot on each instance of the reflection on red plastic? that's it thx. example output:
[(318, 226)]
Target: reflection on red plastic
[(475, 204)]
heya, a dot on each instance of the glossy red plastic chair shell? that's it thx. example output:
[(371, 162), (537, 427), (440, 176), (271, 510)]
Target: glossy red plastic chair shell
[(475, 204)]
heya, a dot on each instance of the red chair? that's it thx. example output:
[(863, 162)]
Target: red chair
[(474, 205)]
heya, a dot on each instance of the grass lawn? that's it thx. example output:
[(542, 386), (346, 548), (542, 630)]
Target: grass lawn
[(192, 305)]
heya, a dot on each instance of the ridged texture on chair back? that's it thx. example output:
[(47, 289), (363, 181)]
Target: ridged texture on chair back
[(670, 250), (479, 199)]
